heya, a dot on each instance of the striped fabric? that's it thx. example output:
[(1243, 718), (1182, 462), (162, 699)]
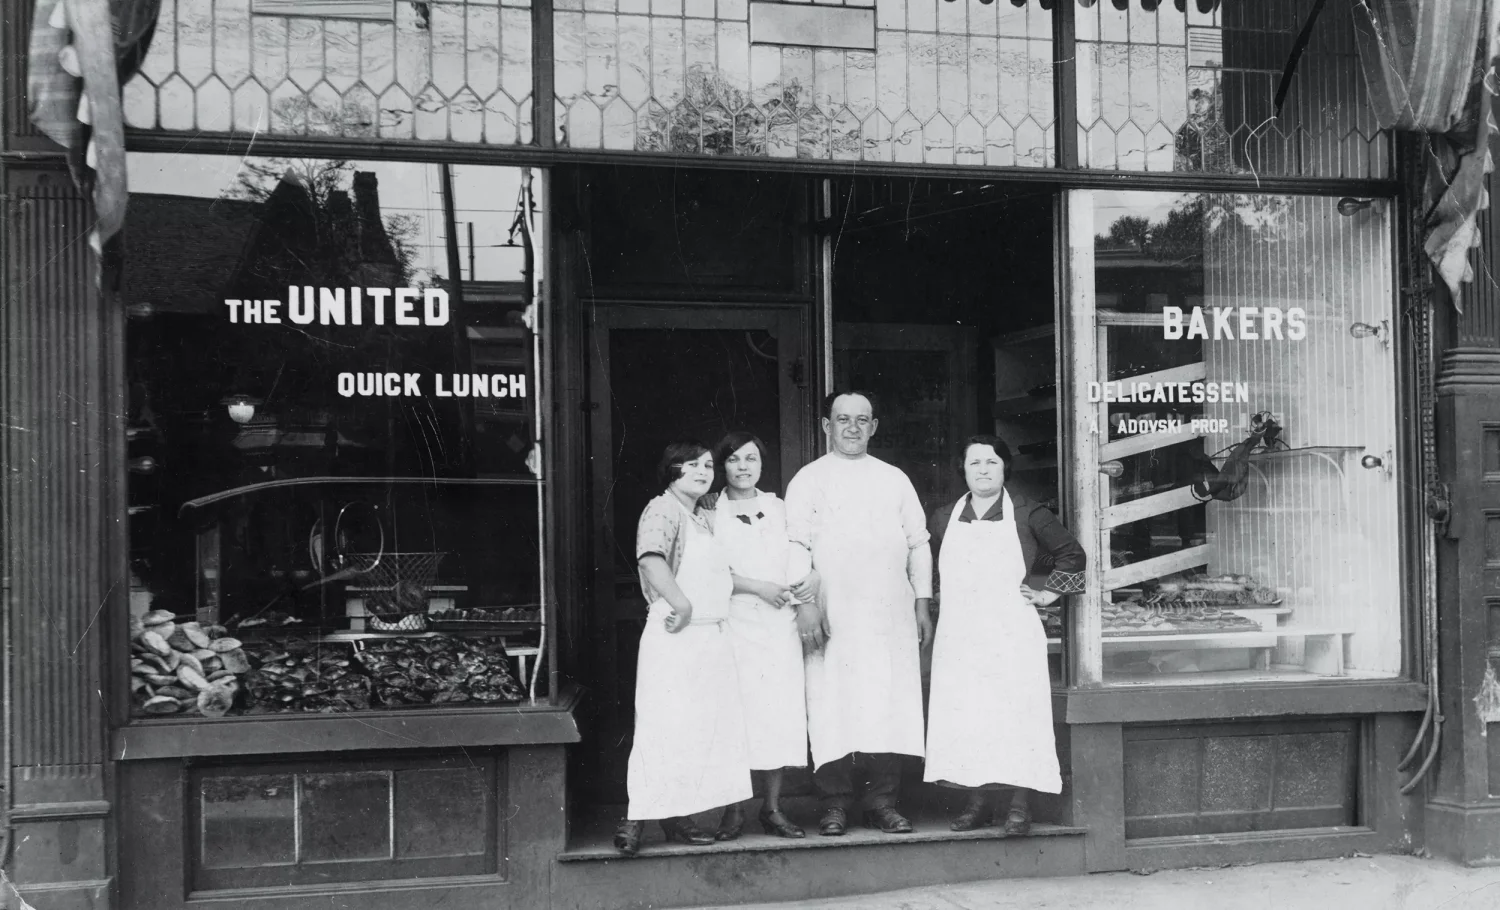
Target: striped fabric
[(1426, 63), (1418, 57), (81, 52)]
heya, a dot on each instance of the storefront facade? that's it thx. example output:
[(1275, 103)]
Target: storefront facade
[(718, 213)]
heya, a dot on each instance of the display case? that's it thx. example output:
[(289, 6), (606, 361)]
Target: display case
[(339, 594)]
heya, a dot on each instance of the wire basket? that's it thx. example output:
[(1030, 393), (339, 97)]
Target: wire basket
[(399, 584)]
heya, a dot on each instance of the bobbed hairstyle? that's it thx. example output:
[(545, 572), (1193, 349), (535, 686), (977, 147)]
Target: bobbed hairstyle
[(732, 442), (674, 456), (831, 397), (986, 439)]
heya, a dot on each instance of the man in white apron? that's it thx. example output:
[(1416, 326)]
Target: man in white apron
[(862, 523)]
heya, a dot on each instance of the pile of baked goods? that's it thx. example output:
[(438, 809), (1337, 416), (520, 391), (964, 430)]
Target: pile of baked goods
[(183, 668)]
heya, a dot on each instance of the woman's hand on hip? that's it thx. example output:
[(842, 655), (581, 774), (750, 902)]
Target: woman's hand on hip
[(1037, 598), (678, 619)]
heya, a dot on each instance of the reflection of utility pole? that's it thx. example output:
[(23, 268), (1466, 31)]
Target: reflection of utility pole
[(471, 249), (458, 312)]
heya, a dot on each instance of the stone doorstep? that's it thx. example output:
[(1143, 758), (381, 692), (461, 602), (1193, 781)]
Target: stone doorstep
[(592, 838)]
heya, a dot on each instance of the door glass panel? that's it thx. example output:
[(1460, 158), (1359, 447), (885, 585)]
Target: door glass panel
[(700, 384)]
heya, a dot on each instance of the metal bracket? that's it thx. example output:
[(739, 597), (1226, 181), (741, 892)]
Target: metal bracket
[(1440, 507)]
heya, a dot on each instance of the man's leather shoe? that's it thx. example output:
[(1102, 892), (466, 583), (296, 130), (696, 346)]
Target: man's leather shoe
[(977, 814), (684, 829), (834, 823), (888, 820), (1017, 823)]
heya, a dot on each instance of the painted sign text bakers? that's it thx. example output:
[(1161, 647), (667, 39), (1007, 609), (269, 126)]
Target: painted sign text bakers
[(1229, 323)]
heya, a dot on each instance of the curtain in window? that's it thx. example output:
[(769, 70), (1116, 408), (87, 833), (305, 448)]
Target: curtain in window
[(1427, 63)]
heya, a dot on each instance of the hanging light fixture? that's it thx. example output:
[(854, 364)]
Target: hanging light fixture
[(241, 407)]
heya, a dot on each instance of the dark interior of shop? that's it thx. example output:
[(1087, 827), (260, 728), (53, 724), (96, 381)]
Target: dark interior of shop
[(937, 284)]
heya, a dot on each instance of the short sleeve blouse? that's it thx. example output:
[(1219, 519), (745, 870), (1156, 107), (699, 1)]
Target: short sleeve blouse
[(660, 531)]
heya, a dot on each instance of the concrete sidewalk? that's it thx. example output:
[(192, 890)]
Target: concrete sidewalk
[(1359, 882)]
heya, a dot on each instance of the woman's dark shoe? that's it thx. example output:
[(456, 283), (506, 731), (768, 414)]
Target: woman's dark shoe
[(732, 823), (833, 823), (977, 814), (1017, 823), (779, 825), (888, 820), (628, 837), (682, 828)]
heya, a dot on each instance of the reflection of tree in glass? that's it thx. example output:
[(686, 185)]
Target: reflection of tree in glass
[(1177, 236), (1194, 220)]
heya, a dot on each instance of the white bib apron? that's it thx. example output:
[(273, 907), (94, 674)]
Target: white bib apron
[(689, 752), (767, 650), (990, 713), (864, 688)]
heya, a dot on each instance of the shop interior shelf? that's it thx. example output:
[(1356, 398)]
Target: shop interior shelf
[(1325, 651)]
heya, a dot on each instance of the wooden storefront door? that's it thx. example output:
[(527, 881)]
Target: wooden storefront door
[(660, 373)]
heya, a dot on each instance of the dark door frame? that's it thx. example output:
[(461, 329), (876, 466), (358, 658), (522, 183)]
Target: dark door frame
[(797, 369)]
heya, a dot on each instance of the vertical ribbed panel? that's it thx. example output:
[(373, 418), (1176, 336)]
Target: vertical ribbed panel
[(53, 459), (1479, 326), (1314, 523), (15, 36)]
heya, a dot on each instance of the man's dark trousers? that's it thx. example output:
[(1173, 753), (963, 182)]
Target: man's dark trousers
[(881, 772)]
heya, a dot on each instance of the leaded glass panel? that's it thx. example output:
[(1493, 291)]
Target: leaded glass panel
[(1167, 89), (459, 71), (947, 83)]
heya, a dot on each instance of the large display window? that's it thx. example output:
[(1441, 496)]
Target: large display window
[(1235, 437), (332, 427)]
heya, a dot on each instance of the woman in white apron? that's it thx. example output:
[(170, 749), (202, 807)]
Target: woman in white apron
[(990, 713), (751, 525), (689, 752)]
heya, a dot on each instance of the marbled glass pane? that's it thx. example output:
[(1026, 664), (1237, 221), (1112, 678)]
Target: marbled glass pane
[(247, 820), (1207, 79), (345, 816)]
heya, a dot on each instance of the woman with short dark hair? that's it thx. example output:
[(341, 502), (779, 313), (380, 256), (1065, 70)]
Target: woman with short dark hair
[(689, 752), (989, 718), (751, 525)]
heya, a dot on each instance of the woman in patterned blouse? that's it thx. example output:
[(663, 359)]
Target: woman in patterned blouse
[(689, 753)]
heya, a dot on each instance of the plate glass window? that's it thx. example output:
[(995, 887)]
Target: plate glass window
[(331, 423), (1244, 390)]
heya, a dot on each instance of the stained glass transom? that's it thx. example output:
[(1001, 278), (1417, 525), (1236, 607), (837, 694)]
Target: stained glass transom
[(441, 71), (947, 83), (1173, 90)]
